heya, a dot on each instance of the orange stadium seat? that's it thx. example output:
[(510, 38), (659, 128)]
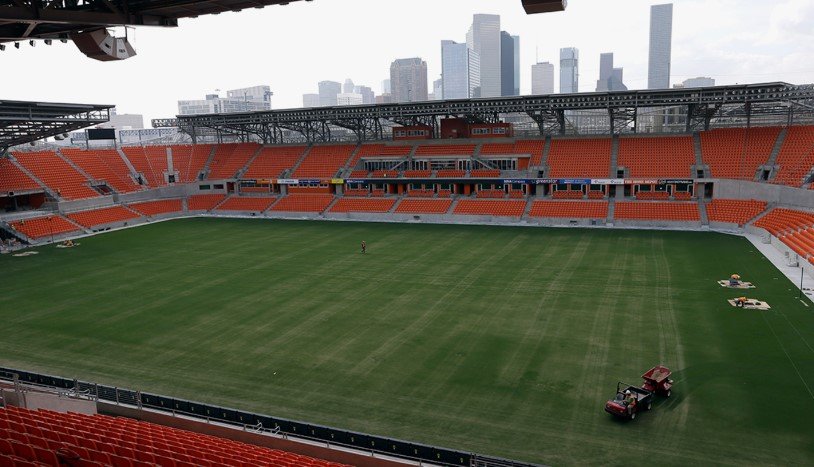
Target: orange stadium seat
[(303, 203), (657, 210), (104, 164), (423, 206), (161, 206), (356, 192), (150, 161), (324, 161), (796, 157), (379, 151), (481, 207), (451, 173), (570, 209), (792, 227), (384, 174), (102, 216), (490, 194), (567, 194), (421, 193), (657, 157), (229, 158), (485, 173), (14, 179), (363, 205), (203, 202), (272, 161), (417, 173), (533, 148), (127, 442), (653, 195), (189, 160), (737, 152), (585, 157), (57, 174), (246, 203), (736, 211), (40, 227)]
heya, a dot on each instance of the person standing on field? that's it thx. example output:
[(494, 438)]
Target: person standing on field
[(364, 247)]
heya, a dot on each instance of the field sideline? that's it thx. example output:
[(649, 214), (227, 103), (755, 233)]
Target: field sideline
[(500, 340)]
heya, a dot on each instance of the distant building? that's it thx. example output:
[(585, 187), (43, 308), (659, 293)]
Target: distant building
[(408, 80), (509, 64), (610, 78), (700, 82), (438, 90), (569, 70), (348, 87), (310, 100), (349, 98), (385, 98), (368, 96), (328, 90), (484, 38), (542, 78), (386, 86), (460, 71), (252, 99), (661, 36)]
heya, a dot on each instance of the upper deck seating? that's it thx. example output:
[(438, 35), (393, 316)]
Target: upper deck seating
[(584, 158), (796, 156), (737, 153), (272, 161), (324, 161), (230, 158), (13, 179), (57, 174), (657, 157), (104, 164)]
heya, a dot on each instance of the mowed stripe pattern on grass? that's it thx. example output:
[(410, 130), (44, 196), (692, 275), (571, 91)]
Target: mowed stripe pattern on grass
[(505, 341)]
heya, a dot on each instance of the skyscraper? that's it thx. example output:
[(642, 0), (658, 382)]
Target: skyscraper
[(368, 96), (460, 71), (348, 87), (509, 64), (569, 70), (385, 86), (610, 78), (438, 89), (542, 78), (328, 90), (408, 80), (661, 36), (484, 38)]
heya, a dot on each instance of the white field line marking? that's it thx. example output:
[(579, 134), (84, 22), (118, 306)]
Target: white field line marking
[(788, 356), (804, 303)]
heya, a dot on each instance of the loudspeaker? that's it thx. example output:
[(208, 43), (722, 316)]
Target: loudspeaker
[(100, 45), (544, 6)]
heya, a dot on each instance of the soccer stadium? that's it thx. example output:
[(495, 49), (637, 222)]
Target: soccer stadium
[(424, 283)]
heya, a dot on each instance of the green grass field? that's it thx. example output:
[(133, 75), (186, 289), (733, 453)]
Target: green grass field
[(503, 341)]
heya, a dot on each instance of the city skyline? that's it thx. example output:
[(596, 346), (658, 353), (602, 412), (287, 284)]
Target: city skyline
[(660, 46), (708, 39)]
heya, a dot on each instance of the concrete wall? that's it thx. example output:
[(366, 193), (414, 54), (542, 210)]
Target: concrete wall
[(785, 195)]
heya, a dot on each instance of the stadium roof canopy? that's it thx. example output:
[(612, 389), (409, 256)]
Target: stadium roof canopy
[(57, 19), (613, 112), (25, 122)]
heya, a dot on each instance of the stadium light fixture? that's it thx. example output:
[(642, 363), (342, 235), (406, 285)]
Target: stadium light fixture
[(64, 41), (47, 41), (32, 43), (2, 47), (16, 45)]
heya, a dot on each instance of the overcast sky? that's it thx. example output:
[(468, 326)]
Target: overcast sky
[(293, 47)]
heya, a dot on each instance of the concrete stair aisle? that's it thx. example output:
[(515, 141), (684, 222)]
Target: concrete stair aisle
[(45, 187), (170, 168), (268, 209), (769, 207), (206, 167), (452, 206), (75, 167), (248, 164), (347, 169), (699, 159), (331, 205), (220, 203), (395, 205), (299, 161), (527, 210), (702, 211), (133, 172), (771, 164), (614, 164), (611, 211)]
